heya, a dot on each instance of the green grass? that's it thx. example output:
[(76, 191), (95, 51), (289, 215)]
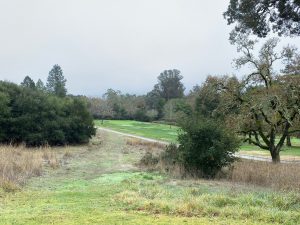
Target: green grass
[(150, 130), (167, 133), (287, 151), (101, 185)]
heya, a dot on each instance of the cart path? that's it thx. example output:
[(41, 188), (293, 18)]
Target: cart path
[(242, 156)]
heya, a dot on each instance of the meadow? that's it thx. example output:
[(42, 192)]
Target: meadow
[(169, 133), (102, 183)]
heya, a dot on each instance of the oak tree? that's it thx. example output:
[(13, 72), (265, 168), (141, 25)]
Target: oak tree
[(263, 16)]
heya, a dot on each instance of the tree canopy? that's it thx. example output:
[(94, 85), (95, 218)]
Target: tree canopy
[(40, 85), (28, 82), (169, 84), (263, 16), (56, 82), (268, 104), (35, 117)]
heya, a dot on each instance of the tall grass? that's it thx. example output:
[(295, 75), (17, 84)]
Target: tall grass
[(280, 176), (17, 164), (139, 142)]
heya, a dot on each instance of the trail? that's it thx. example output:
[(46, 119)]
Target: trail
[(134, 136), (242, 156)]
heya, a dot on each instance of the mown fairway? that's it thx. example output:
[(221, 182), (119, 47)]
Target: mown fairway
[(167, 133), (286, 151), (150, 130), (101, 184)]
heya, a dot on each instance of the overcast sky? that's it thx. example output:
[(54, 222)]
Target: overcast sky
[(119, 44)]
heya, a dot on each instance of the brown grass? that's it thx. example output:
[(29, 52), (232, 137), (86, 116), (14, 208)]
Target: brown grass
[(139, 142), (17, 164), (284, 176), (156, 161)]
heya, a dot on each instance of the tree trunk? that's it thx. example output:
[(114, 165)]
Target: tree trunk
[(275, 157), (288, 141), (274, 150)]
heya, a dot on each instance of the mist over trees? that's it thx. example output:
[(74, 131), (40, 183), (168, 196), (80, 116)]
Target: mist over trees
[(263, 107), (149, 107)]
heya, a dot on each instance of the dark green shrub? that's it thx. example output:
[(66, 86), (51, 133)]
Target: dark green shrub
[(34, 117), (140, 115), (206, 146), (79, 125)]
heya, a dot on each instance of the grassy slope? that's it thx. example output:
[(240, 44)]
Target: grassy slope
[(101, 185), (164, 132)]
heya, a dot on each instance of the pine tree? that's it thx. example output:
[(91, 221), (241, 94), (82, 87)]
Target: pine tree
[(56, 83), (28, 82), (40, 85)]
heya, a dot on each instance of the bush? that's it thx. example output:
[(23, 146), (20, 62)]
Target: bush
[(206, 146), (37, 118)]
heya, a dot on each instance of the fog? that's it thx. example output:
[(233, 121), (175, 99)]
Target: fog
[(117, 44)]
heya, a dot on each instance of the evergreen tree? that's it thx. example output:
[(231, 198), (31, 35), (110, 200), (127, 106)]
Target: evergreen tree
[(28, 82), (56, 83), (40, 85)]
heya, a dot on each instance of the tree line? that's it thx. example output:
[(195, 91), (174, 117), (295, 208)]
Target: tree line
[(263, 107), (164, 102), (36, 114)]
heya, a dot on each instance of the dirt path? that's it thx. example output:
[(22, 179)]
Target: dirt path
[(239, 155)]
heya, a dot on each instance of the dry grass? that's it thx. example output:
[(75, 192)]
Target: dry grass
[(17, 164), (284, 176), (157, 161), (139, 142)]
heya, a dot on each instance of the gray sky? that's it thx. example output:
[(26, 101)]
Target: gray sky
[(119, 44)]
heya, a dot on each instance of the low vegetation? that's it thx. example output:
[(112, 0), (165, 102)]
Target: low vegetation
[(206, 146), (102, 184), (139, 142), (18, 164), (191, 199), (285, 176), (170, 134)]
